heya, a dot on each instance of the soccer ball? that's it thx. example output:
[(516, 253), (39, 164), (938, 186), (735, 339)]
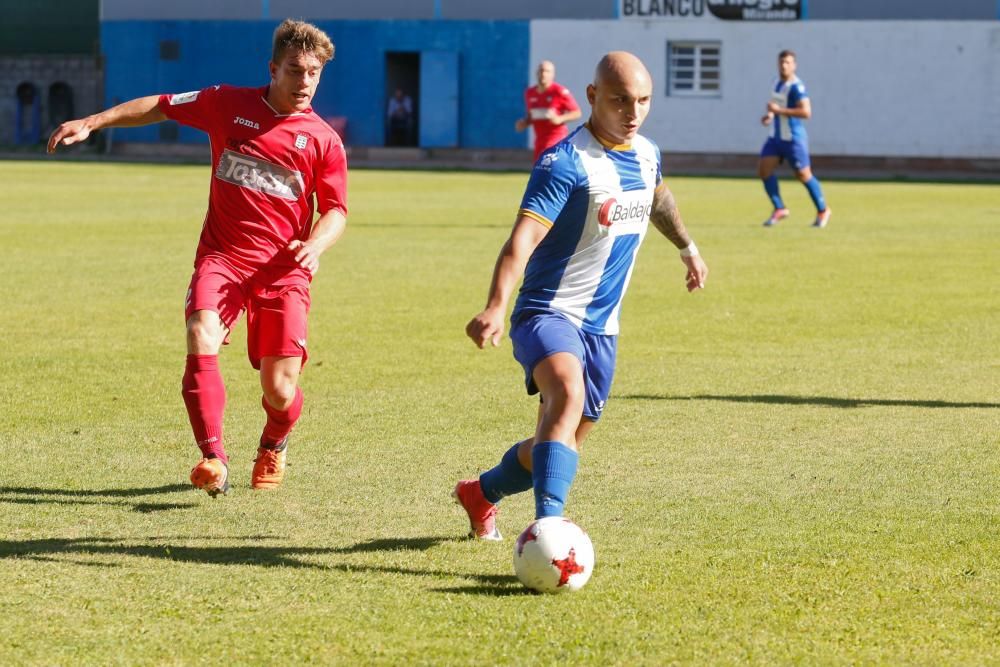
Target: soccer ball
[(553, 555)]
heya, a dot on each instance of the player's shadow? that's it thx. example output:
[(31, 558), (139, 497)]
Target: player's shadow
[(395, 544), (164, 549), (828, 401), (93, 552), (34, 495), (490, 585)]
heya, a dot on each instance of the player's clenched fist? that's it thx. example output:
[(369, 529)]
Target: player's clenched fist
[(486, 326), (306, 255)]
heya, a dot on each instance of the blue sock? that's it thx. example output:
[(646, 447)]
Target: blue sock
[(816, 192), (771, 187), (553, 469), (506, 479)]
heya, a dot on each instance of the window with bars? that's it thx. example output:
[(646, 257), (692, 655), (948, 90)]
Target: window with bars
[(694, 69)]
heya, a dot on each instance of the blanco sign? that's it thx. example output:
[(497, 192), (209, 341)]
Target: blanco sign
[(728, 10)]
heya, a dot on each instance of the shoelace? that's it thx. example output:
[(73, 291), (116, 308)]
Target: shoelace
[(270, 459)]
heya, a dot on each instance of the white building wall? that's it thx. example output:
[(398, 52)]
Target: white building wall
[(878, 88)]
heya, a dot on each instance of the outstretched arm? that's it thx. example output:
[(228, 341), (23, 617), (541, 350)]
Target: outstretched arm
[(562, 119), (488, 325), (667, 219), (140, 111)]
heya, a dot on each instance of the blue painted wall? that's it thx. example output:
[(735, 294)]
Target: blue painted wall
[(493, 64)]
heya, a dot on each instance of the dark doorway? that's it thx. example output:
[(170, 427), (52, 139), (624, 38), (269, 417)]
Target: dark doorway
[(60, 104), (27, 121), (402, 91)]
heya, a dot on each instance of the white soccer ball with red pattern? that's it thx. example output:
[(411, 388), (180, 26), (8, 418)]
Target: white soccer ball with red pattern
[(553, 555)]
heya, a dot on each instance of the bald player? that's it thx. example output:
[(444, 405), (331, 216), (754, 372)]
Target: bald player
[(584, 214), (549, 107)]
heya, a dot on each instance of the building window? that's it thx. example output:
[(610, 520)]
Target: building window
[(694, 69)]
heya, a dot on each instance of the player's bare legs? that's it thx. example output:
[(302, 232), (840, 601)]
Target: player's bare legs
[(559, 378), (205, 398), (554, 455), (524, 447), (766, 166), (560, 415), (205, 332), (282, 402), (279, 377)]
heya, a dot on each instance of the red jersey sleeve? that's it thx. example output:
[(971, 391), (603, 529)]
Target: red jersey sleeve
[(198, 108), (331, 179), (568, 103)]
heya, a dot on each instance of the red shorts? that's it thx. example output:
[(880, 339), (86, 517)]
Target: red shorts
[(276, 314)]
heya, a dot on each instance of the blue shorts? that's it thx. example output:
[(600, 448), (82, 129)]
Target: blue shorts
[(796, 153), (539, 335)]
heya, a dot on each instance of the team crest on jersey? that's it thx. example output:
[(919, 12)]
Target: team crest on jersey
[(300, 141)]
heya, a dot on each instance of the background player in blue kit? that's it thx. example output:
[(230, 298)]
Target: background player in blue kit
[(583, 216), (788, 108)]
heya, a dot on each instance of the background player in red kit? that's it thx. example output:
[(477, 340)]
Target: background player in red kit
[(259, 247), (550, 106)]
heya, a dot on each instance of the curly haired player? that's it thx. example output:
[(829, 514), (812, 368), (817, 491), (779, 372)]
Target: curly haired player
[(275, 163)]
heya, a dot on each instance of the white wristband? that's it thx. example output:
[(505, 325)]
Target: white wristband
[(690, 251)]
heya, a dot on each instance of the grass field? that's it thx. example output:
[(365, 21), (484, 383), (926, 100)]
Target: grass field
[(797, 465)]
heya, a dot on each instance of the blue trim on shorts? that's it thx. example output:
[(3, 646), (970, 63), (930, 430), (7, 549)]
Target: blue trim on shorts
[(538, 335)]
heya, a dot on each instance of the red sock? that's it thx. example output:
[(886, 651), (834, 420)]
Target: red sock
[(205, 397), (280, 422)]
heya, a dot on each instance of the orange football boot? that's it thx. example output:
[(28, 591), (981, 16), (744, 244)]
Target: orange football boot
[(212, 476), (269, 466)]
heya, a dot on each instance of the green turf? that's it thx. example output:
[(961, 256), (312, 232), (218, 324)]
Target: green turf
[(797, 465)]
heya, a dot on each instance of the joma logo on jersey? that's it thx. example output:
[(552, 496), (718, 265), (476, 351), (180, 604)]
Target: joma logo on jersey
[(612, 212), (259, 175), (246, 123)]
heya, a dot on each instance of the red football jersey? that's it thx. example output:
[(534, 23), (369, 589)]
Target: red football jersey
[(266, 169), (558, 99)]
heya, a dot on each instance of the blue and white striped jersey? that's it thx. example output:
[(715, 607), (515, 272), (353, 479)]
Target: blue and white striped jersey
[(596, 199), (787, 94)]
